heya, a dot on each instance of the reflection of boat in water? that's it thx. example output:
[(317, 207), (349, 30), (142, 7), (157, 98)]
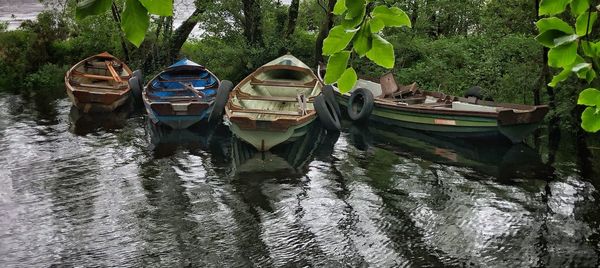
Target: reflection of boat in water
[(284, 159), (491, 157), (166, 141), (85, 123)]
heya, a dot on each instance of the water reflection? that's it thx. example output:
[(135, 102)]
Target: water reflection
[(502, 160), (91, 192), (85, 123)]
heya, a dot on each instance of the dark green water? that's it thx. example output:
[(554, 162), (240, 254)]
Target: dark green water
[(114, 191)]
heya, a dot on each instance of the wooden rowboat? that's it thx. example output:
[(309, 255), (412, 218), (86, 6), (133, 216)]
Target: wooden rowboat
[(181, 95), (98, 83), (414, 108), (273, 105)]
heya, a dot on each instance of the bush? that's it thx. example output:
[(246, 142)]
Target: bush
[(16, 50), (47, 81)]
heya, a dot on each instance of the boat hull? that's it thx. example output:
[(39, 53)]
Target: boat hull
[(176, 121), (265, 139), (90, 102), (449, 125)]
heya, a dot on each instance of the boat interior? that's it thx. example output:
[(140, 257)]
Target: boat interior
[(100, 74), (183, 86), (387, 91), (274, 93)]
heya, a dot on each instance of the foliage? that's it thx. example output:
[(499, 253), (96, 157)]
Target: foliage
[(16, 48), (571, 49), (47, 79), (361, 28), (3, 26), (135, 18)]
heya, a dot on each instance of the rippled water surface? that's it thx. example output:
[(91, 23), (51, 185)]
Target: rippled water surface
[(116, 191)]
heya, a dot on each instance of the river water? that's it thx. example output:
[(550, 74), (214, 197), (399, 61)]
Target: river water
[(116, 191)]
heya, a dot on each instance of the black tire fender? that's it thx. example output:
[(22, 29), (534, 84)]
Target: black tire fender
[(220, 101), (474, 92), (136, 88), (361, 104), (326, 112), (329, 94)]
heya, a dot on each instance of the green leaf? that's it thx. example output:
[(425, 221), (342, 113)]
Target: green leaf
[(588, 48), (391, 17), (553, 7), (565, 39), (362, 41), (336, 65), (590, 75), (350, 22), (91, 7), (579, 6), (135, 22), (159, 7), (337, 40), (589, 97), (340, 7), (347, 80), (547, 38), (376, 25), (582, 23), (590, 119), (382, 52), (356, 8), (554, 23), (563, 55), (562, 76)]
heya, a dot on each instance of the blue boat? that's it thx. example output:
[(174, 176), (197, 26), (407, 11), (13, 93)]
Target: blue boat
[(181, 95)]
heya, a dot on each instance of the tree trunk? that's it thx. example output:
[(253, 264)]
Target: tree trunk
[(292, 18), (252, 22), (324, 31), (183, 31), (117, 17)]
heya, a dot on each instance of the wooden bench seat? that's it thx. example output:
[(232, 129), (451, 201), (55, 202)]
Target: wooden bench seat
[(258, 82)]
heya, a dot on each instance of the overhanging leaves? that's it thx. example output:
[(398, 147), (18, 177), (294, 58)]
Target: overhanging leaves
[(337, 40), (590, 119), (554, 23), (340, 7), (91, 7), (356, 8), (589, 97), (347, 80), (563, 55), (135, 22), (362, 40), (159, 7), (547, 38), (579, 6), (391, 17), (552, 7), (582, 25), (336, 66), (382, 52)]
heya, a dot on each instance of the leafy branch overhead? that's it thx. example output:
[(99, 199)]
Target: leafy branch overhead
[(359, 33), (135, 18), (571, 49)]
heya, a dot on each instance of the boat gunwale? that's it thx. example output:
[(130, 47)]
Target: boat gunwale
[(104, 55)]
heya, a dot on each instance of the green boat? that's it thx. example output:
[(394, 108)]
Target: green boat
[(411, 107), (274, 104)]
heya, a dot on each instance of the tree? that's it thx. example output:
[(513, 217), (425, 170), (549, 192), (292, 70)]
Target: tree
[(571, 49)]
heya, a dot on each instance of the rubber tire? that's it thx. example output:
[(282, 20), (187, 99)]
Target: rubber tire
[(139, 74), (329, 94), (474, 92), (220, 101), (136, 89), (326, 112), (368, 103)]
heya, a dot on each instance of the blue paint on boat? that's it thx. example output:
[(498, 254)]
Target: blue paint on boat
[(180, 90)]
